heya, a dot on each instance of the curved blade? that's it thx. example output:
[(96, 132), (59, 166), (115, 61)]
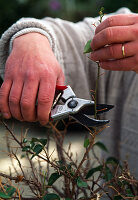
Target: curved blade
[(90, 110), (101, 108), (87, 121)]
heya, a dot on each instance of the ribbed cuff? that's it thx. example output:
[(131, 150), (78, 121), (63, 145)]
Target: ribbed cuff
[(29, 30)]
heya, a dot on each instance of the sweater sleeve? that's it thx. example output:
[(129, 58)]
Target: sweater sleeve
[(67, 41)]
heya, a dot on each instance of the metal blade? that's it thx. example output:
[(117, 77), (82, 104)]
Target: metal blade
[(90, 110), (101, 108), (89, 122)]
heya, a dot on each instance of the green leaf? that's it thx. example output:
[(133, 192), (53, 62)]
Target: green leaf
[(67, 199), (23, 156), (86, 142), (10, 190), (101, 146), (43, 141), (26, 148), (38, 148), (93, 170), (87, 48), (4, 196), (81, 183), (112, 160), (129, 193), (51, 196), (53, 178), (25, 140), (35, 140), (118, 197), (32, 144), (108, 174)]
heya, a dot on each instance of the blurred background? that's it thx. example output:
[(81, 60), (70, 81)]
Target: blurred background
[(73, 10)]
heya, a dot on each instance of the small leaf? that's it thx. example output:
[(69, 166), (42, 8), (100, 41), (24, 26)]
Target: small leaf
[(10, 190), (101, 146), (86, 142), (108, 174), (25, 140), (23, 156), (93, 170), (87, 48), (38, 148), (26, 148), (35, 140), (43, 141), (4, 196), (81, 183), (129, 193), (51, 196), (118, 197), (67, 199), (112, 160), (32, 144), (53, 178)]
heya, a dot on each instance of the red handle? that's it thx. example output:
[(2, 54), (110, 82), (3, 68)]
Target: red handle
[(61, 87)]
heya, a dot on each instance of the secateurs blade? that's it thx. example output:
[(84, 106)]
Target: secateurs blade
[(67, 104)]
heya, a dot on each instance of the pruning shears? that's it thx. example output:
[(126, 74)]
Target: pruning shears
[(67, 104)]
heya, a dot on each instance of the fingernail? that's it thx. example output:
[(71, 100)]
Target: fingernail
[(6, 115)]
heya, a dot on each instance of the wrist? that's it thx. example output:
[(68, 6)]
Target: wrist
[(32, 37), (30, 41), (30, 33)]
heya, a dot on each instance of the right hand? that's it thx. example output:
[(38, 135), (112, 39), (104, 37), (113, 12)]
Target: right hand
[(31, 73)]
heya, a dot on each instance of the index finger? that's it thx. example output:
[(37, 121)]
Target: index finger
[(117, 20), (112, 35)]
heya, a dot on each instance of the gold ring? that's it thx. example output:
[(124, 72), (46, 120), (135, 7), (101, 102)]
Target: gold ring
[(123, 51)]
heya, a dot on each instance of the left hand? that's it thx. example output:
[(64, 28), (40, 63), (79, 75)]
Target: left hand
[(110, 36)]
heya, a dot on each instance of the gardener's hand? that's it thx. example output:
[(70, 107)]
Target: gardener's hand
[(115, 43), (31, 73)]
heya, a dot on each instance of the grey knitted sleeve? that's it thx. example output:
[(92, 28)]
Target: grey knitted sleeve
[(23, 26)]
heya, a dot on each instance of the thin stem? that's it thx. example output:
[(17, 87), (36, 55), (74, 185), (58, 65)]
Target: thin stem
[(96, 89)]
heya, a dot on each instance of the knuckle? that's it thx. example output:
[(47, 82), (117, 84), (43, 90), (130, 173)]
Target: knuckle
[(134, 17), (43, 100), (25, 103), (112, 51), (2, 96), (30, 75), (136, 60), (48, 72), (14, 100), (135, 31), (93, 43), (110, 21), (108, 34)]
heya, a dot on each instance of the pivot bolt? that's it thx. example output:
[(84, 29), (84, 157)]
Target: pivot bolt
[(72, 104)]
